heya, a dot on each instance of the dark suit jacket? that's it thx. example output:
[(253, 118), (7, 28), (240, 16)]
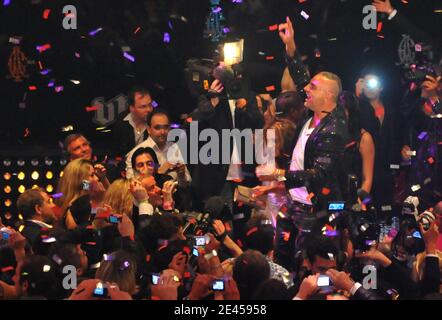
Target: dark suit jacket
[(208, 180), (124, 137), (33, 234), (324, 151)]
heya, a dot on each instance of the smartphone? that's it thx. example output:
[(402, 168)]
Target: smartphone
[(218, 285), (115, 218), (155, 278), (5, 233), (86, 185), (195, 252), (200, 241), (324, 281), (100, 290), (336, 206)]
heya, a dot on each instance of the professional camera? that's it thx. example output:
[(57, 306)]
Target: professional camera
[(417, 73)]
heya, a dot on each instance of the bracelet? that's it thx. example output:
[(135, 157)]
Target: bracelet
[(221, 237)]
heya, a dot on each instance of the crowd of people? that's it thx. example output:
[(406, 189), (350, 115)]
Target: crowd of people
[(322, 222)]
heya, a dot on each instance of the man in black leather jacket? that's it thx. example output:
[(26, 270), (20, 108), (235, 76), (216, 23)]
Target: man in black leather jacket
[(315, 171)]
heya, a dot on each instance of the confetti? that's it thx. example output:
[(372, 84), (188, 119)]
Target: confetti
[(310, 196), (273, 27), (77, 55), (430, 160), (44, 47), (137, 30), (350, 144), (94, 32), (304, 15), (59, 89), (154, 104), (46, 13), (45, 72), (268, 58), (15, 40), (418, 47), (270, 88), (32, 88), (75, 81), (379, 27), (395, 166), (386, 208), (427, 181), (6, 3), (129, 57), (415, 187), (166, 37), (92, 108), (251, 231), (325, 191)]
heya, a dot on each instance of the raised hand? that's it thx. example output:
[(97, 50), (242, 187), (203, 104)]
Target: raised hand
[(287, 35)]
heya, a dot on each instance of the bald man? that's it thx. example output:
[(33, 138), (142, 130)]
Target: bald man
[(316, 169)]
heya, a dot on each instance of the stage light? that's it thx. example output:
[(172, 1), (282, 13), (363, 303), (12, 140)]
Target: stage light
[(7, 176), (49, 188), (6, 162), (21, 162), (35, 162), (61, 174), (35, 186), (21, 175), (21, 189), (7, 189), (8, 215), (35, 175), (233, 52), (8, 203), (48, 162), (49, 175)]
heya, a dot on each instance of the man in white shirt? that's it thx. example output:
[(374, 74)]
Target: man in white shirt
[(169, 156)]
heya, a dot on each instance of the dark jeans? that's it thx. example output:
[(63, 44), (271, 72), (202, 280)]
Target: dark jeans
[(291, 232)]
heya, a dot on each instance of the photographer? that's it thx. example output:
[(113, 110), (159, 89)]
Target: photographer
[(218, 111), (423, 131)]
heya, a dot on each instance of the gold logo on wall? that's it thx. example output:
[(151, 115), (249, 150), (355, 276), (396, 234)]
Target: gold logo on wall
[(17, 65)]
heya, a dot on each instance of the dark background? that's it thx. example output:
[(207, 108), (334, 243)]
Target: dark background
[(104, 72)]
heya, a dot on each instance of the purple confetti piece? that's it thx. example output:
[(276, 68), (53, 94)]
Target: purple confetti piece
[(51, 84), (170, 25), (77, 55), (226, 30), (422, 135), (59, 89), (129, 57), (57, 195), (6, 3), (174, 125), (216, 10), (154, 104), (94, 32), (166, 37), (45, 72)]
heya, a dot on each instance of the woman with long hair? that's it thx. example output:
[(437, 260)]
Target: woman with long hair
[(79, 179)]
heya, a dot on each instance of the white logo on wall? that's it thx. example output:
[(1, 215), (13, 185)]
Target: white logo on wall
[(108, 111), (70, 19), (406, 50)]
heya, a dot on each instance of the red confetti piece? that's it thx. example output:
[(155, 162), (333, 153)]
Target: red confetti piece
[(137, 30), (186, 250), (284, 209), (430, 160), (240, 204), (6, 269), (273, 27), (381, 36), (40, 65), (253, 230), (91, 243), (186, 274), (189, 120), (286, 236), (227, 226), (310, 196), (44, 47), (46, 13), (239, 243), (325, 191), (237, 180), (270, 88), (379, 27), (32, 88), (148, 257), (91, 108), (363, 207), (270, 58), (350, 144), (162, 247), (27, 132)]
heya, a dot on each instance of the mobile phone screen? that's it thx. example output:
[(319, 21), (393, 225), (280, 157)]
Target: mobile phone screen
[(200, 241), (218, 285), (323, 281), (336, 206), (155, 278)]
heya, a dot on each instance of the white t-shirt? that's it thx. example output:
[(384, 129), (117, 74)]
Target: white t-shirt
[(297, 163), (235, 171)]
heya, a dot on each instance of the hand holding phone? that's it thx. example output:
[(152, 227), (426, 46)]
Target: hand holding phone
[(218, 285)]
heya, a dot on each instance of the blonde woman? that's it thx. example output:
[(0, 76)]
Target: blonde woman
[(78, 179), (119, 197)]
